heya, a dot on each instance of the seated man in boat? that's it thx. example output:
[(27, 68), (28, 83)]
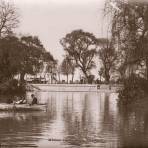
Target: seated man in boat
[(34, 99)]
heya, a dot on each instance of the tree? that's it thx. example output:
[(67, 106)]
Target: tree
[(101, 73), (67, 67), (91, 79), (8, 18), (108, 56), (59, 73), (32, 53), (10, 57), (19, 57), (73, 68), (81, 46), (130, 32), (51, 65)]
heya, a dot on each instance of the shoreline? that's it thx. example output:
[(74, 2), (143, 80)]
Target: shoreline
[(74, 87)]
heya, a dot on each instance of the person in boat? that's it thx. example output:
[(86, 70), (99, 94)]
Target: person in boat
[(21, 101), (34, 99)]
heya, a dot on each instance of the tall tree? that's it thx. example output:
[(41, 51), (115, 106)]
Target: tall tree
[(9, 18), (81, 46), (51, 65), (32, 53), (108, 56), (130, 31), (59, 73)]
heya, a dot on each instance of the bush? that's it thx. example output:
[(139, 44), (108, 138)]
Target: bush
[(135, 88), (11, 87)]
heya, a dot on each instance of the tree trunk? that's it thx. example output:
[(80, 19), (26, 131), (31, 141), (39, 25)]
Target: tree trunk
[(72, 77), (22, 81), (67, 78), (100, 78), (59, 77), (86, 75), (51, 78), (107, 76), (147, 68)]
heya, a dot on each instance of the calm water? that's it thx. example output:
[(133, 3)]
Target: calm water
[(75, 120)]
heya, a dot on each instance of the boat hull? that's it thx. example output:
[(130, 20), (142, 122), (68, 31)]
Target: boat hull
[(22, 107)]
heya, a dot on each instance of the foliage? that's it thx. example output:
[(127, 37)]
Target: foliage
[(51, 68), (101, 72), (31, 57), (11, 87), (130, 31), (48, 57), (135, 88), (67, 67), (91, 79), (50, 61), (10, 57), (81, 46), (108, 57), (20, 57)]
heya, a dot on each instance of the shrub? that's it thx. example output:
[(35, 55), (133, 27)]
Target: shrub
[(135, 88), (11, 87)]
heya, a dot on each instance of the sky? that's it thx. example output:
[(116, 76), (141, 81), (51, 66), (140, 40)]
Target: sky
[(51, 20)]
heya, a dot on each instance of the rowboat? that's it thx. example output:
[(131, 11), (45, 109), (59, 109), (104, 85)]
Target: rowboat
[(22, 107)]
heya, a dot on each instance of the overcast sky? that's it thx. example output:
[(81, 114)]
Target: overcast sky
[(53, 19)]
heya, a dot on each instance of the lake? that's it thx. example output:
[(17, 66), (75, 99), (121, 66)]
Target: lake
[(75, 120)]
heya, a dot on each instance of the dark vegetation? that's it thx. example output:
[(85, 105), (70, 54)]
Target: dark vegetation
[(129, 33), (135, 89), (18, 55)]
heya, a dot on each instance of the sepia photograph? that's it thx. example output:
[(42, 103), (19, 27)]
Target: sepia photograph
[(73, 73)]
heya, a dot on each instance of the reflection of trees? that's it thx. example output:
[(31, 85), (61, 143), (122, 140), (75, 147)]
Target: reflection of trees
[(82, 126), (108, 120), (22, 130), (78, 125), (68, 116), (86, 115), (134, 128), (52, 109)]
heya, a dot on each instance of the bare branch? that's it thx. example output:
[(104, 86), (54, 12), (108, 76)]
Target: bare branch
[(9, 18)]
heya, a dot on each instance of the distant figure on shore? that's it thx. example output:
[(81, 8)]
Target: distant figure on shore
[(98, 86), (34, 99), (109, 86)]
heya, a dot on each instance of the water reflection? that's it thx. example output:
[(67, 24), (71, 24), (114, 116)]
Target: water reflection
[(21, 130), (75, 120), (134, 128)]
